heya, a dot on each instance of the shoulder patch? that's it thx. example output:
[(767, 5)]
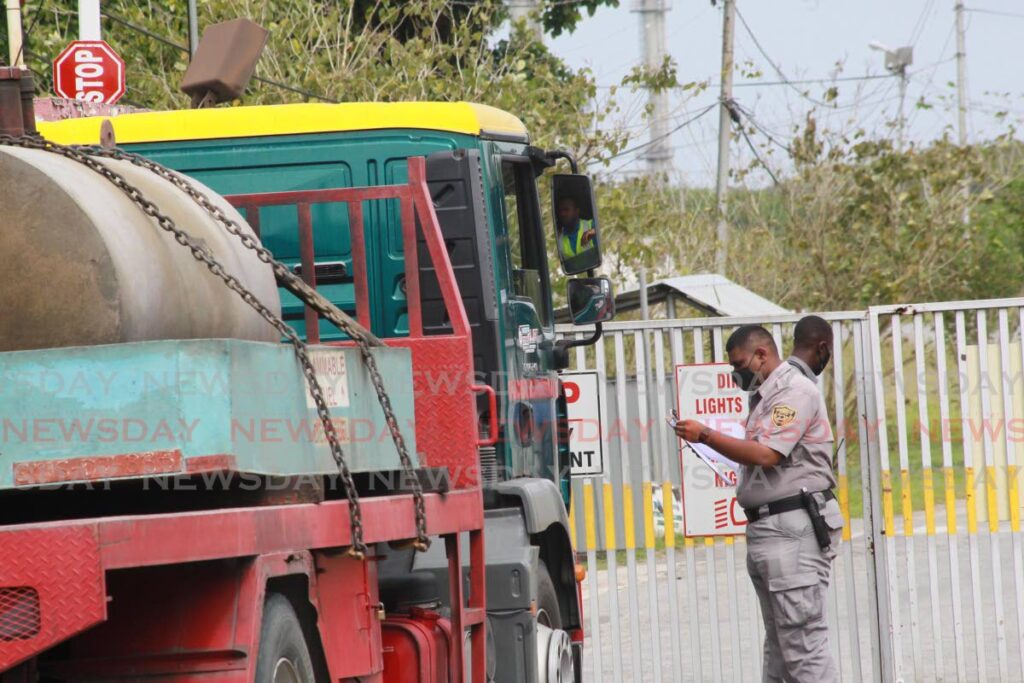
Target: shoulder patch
[(783, 415)]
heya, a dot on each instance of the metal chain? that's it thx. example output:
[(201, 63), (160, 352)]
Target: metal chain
[(204, 256), (363, 338)]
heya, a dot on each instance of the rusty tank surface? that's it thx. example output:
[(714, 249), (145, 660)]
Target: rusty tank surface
[(85, 265)]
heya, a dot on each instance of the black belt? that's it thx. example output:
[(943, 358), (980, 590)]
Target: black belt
[(784, 505)]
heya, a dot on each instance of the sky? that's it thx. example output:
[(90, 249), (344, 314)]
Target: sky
[(812, 39)]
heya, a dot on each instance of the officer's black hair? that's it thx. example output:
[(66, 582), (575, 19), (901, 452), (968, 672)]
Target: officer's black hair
[(810, 331), (744, 336)]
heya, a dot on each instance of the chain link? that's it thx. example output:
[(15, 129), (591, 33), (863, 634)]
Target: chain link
[(204, 256), (363, 338)]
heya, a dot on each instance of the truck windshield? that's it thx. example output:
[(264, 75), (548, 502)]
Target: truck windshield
[(525, 237)]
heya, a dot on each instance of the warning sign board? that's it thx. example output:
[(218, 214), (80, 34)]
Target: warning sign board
[(332, 375), (707, 393), (586, 436)]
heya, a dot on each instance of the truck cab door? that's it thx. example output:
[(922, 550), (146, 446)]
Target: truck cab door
[(530, 418)]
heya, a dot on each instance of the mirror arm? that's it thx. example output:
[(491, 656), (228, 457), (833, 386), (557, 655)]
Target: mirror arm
[(562, 154), (562, 346)]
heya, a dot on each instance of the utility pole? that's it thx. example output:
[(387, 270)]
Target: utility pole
[(653, 43), (526, 10), (89, 20), (193, 29), (961, 72), (15, 47), (724, 132), (961, 98)]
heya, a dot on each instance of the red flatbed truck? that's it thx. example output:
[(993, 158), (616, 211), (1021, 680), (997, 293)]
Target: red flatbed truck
[(104, 575), (196, 595)]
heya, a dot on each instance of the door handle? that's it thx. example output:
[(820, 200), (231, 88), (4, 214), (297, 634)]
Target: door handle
[(492, 402)]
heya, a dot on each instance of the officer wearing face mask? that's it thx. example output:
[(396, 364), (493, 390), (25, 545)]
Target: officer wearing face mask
[(812, 346), (785, 487)]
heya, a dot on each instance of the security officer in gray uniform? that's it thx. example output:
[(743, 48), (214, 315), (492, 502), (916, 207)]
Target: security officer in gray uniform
[(785, 487), (812, 346)]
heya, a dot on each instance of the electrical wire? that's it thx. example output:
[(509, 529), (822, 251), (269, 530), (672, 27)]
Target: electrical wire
[(748, 115), (757, 156), (994, 12), (27, 34), (922, 21), (778, 70), (663, 136)]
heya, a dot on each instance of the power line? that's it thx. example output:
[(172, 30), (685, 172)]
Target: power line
[(757, 156), (778, 70), (811, 81), (177, 46), (922, 21), (804, 81), (28, 34), (644, 145), (750, 117), (994, 12)]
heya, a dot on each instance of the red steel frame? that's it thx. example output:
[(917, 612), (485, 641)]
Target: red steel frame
[(68, 564)]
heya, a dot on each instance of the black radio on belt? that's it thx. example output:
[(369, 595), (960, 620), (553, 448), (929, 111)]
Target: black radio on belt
[(814, 503)]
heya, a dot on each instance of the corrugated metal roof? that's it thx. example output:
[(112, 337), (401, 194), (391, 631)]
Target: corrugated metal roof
[(710, 293)]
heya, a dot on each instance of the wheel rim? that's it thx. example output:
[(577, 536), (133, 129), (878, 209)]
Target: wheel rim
[(554, 655), (285, 672)]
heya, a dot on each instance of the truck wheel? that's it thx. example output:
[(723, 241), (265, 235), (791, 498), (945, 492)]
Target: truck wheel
[(554, 651), (283, 656), (548, 612)]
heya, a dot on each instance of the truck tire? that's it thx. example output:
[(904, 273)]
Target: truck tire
[(548, 611), (283, 654)]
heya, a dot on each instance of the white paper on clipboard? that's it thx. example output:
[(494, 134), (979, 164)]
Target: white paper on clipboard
[(711, 459)]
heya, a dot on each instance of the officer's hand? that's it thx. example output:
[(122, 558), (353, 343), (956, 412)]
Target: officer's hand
[(689, 430), (589, 235)]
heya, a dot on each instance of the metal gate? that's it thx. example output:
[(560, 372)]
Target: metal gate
[(927, 402)]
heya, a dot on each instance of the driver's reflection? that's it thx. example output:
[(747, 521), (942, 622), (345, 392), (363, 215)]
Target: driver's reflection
[(575, 234)]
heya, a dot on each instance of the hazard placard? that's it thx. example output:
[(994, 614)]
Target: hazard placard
[(586, 435), (707, 393)]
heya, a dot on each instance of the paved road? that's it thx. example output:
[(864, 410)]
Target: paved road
[(933, 659)]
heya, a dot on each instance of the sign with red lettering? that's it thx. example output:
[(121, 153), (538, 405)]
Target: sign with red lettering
[(707, 393), (89, 70), (586, 437)]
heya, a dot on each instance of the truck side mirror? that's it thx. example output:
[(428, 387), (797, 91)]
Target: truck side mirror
[(591, 300), (577, 235)]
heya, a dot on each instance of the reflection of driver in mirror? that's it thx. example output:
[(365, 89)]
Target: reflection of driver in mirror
[(575, 234)]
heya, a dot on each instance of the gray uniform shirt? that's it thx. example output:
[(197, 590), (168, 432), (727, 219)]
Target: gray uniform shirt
[(787, 415)]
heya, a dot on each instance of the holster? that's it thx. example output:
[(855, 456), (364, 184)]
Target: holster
[(814, 503)]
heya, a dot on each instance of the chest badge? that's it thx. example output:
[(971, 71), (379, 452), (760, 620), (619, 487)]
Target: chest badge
[(783, 415)]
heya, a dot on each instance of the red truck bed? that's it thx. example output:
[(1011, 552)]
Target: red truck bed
[(182, 593)]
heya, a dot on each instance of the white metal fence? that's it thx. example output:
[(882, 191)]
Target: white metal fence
[(927, 402)]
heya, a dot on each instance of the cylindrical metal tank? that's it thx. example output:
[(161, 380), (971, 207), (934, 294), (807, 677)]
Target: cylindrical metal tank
[(85, 265)]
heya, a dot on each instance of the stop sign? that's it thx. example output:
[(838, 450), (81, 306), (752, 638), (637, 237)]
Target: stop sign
[(89, 70)]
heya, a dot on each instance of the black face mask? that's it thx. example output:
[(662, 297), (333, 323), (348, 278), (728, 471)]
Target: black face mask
[(747, 379), (822, 364)]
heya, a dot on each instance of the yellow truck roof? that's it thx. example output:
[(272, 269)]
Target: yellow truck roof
[(288, 119)]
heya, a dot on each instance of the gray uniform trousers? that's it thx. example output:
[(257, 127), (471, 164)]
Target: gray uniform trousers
[(791, 575)]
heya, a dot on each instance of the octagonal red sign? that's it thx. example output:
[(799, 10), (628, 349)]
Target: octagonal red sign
[(89, 70)]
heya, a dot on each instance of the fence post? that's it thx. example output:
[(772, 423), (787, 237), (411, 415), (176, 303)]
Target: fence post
[(881, 565)]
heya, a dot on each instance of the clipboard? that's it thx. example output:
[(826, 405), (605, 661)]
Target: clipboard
[(707, 461), (672, 420)]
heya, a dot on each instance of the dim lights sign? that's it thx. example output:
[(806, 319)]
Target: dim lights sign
[(707, 393)]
